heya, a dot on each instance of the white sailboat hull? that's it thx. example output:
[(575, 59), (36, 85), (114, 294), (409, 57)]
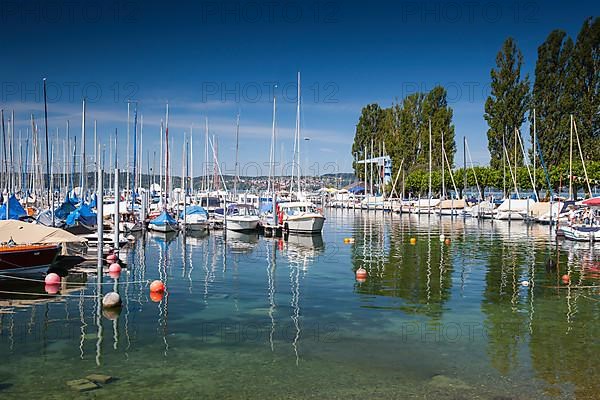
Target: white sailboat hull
[(581, 234), (508, 215), (162, 228)]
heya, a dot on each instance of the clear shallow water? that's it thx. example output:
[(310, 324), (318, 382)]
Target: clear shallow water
[(254, 317)]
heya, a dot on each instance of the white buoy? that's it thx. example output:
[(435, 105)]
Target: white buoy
[(525, 283), (111, 300), (442, 237)]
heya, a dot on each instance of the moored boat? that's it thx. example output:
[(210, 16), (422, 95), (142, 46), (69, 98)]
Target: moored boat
[(241, 217), (301, 217), (27, 257), (163, 223)]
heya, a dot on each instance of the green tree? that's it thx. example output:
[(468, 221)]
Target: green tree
[(369, 131), (436, 109), (509, 99), (553, 97), (585, 74)]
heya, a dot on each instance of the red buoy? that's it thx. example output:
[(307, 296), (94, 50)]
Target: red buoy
[(566, 279), (52, 279), (51, 289), (361, 274), (114, 267), (157, 287)]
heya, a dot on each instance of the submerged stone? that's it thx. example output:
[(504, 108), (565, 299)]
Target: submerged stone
[(443, 382), (99, 378), (82, 385)]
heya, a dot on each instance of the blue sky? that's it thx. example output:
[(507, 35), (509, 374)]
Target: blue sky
[(214, 59)]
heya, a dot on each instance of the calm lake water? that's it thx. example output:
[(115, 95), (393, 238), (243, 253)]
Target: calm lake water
[(254, 317)]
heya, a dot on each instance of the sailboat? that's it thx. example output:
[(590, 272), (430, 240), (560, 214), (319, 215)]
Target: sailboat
[(240, 217), (164, 222), (299, 216), (514, 209), (427, 206)]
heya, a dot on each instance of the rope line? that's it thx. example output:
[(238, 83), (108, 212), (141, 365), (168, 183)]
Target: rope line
[(20, 278)]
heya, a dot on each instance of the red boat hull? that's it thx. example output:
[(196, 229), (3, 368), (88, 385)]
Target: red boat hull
[(27, 257)]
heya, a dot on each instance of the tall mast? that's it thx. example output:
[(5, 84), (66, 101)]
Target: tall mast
[(12, 150), (464, 196), (571, 162), (83, 177), (206, 180), (443, 169), (5, 159), (134, 157), (298, 131), (141, 151), (127, 157), (272, 152), (192, 159), (237, 146), (534, 152), (430, 150), (162, 153), (47, 153), (69, 181), (167, 157), (504, 163)]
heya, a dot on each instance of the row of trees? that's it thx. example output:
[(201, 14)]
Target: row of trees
[(567, 82), (417, 182), (402, 131)]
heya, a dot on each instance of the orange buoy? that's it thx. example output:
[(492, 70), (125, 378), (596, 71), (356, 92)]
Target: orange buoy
[(156, 296), (413, 240), (361, 274), (157, 287), (447, 241), (566, 279)]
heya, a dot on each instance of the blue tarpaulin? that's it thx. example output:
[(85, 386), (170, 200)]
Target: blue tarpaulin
[(190, 210), (266, 207), (15, 210), (82, 214), (163, 219), (64, 210), (357, 189)]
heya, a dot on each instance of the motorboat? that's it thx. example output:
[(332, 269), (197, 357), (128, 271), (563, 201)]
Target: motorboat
[(301, 217), (241, 217), (15, 258)]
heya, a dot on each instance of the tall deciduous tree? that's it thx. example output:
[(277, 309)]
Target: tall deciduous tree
[(509, 99), (370, 129), (585, 73), (553, 97)]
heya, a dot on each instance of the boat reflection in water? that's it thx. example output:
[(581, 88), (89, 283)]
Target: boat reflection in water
[(241, 242), (303, 250)]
